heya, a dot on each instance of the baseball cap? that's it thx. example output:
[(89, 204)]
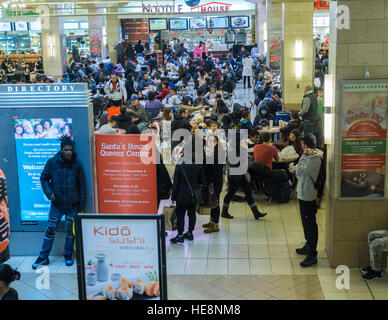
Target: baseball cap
[(134, 97), (309, 140)]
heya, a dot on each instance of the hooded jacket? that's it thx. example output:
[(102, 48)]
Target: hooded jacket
[(307, 171), (66, 181)]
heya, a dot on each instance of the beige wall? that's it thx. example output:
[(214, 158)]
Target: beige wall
[(298, 25), (349, 221)]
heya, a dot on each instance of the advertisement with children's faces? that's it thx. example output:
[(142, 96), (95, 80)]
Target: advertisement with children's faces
[(121, 259), (364, 131), (36, 140)]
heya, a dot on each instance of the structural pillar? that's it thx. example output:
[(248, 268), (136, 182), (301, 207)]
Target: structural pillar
[(53, 46), (298, 52), (274, 15), (261, 23), (112, 24), (358, 44), (96, 27)]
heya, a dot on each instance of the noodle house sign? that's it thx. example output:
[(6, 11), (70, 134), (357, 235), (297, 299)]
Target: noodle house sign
[(321, 5)]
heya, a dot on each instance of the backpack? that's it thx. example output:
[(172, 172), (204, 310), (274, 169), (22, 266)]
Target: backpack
[(321, 179), (280, 191)]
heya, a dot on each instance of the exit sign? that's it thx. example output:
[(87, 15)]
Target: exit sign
[(321, 5)]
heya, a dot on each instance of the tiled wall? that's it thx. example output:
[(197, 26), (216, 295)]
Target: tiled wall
[(298, 25), (348, 222)]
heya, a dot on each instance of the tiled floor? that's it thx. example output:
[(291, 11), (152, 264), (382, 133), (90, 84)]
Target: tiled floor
[(247, 259)]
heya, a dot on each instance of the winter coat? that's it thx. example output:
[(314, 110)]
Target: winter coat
[(163, 181), (214, 173), (118, 94), (65, 181), (247, 66), (181, 192), (180, 123), (293, 124), (307, 171)]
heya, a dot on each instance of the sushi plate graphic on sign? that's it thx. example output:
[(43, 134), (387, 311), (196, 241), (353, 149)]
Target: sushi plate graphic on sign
[(121, 260)]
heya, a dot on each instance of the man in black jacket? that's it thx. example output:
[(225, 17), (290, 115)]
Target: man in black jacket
[(180, 122), (63, 182)]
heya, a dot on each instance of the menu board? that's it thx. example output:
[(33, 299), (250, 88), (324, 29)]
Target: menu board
[(121, 258), (126, 173), (364, 131), (157, 24), (35, 25), (5, 26), (36, 142), (68, 25), (239, 22), (198, 23), (218, 23), (178, 24), (21, 26), (84, 25)]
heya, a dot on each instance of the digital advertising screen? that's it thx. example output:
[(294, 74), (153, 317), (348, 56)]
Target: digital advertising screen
[(239, 22), (157, 24), (37, 140), (218, 23), (198, 23), (178, 24)]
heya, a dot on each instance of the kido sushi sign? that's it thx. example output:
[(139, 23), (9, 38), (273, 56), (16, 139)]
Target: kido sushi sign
[(121, 258)]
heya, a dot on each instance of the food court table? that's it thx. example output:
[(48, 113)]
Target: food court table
[(274, 130)]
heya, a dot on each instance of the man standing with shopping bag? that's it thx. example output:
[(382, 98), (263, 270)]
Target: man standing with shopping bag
[(63, 182)]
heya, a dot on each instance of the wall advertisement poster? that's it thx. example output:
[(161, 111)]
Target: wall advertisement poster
[(364, 132)]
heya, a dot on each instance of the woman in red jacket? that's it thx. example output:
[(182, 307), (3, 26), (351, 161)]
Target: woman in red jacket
[(165, 91)]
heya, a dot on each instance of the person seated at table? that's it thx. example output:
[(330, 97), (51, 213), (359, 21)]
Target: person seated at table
[(146, 84), (211, 95), (205, 87), (265, 152), (173, 99), (138, 113), (220, 109), (165, 91), (187, 103), (292, 140), (109, 128), (263, 117), (200, 100), (142, 99), (294, 123), (253, 140), (123, 120), (153, 105), (245, 121), (226, 84)]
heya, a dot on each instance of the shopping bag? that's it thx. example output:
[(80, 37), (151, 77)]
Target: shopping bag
[(203, 211), (170, 219)]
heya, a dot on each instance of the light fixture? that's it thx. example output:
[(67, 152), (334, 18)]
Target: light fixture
[(265, 38), (298, 59), (329, 105)]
